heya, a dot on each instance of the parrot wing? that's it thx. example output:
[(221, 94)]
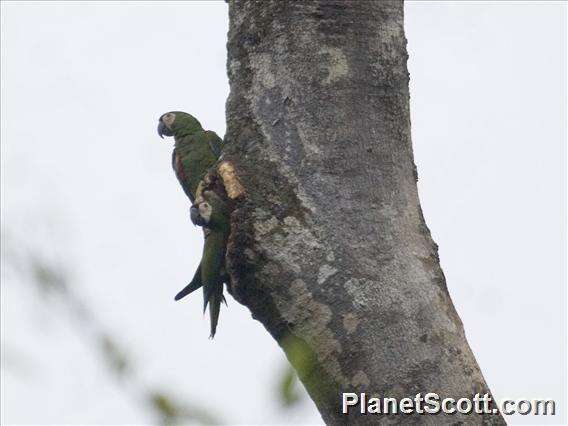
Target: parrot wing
[(215, 142), (178, 170)]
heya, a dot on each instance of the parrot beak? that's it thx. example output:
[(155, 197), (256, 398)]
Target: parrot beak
[(161, 128), (196, 217)]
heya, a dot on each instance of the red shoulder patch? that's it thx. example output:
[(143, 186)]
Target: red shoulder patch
[(178, 168)]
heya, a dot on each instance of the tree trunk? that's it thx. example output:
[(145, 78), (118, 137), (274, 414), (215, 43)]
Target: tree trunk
[(329, 248)]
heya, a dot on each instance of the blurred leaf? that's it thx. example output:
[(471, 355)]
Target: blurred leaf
[(173, 413), (47, 277), (165, 407), (288, 391), (17, 361), (116, 359)]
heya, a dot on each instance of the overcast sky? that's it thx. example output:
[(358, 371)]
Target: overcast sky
[(87, 182)]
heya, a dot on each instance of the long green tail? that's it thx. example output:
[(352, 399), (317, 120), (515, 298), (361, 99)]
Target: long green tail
[(215, 307), (192, 286)]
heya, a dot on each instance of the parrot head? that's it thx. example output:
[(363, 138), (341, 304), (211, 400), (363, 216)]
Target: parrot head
[(210, 210), (177, 123)]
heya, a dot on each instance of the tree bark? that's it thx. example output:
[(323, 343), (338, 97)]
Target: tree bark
[(329, 248)]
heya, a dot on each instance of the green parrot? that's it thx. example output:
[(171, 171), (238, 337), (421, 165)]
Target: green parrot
[(195, 150), (211, 212)]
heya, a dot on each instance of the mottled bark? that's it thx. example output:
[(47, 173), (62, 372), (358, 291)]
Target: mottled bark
[(329, 248)]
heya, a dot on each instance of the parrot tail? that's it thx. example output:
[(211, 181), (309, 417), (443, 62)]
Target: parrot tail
[(214, 308), (192, 286)]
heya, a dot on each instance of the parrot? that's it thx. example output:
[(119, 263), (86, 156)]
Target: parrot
[(195, 150), (211, 212)]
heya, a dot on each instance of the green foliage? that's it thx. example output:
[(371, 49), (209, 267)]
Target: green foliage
[(171, 412), (288, 392), (47, 276), (116, 359)]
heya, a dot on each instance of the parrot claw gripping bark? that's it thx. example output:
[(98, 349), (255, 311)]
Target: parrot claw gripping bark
[(195, 152)]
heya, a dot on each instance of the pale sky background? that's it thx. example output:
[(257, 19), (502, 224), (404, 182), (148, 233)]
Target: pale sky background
[(87, 182)]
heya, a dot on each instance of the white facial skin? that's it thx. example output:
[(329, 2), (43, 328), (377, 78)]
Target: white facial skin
[(205, 211), (168, 119)]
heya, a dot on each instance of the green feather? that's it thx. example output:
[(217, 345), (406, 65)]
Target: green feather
[(196, 151), (213, 260), (192, 286)]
